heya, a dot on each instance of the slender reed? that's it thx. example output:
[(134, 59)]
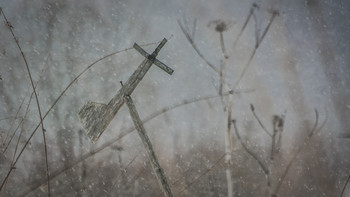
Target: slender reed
[(36, 99), (346, 183)]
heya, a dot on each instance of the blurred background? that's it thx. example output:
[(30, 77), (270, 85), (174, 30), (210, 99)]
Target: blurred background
[(289, 60)]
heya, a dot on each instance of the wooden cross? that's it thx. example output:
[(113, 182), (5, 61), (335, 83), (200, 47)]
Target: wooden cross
[(95, 117)]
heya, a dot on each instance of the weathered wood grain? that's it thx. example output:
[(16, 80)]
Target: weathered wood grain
[(95, 117), (148, 146)]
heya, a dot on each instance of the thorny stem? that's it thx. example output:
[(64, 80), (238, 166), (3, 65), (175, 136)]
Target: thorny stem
[(37, 102)]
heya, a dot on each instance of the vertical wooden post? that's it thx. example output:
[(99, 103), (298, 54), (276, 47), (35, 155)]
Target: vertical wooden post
[(148, 146)]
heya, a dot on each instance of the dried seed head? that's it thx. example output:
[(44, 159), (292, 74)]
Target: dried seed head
[(278, 122), (252, 107), (220, 25)]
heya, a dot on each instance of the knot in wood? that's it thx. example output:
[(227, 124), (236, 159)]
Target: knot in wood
[(151, 57)]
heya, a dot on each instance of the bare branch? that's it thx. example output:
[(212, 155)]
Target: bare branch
[(251, 153), (60, 96), (191, 41), (130, 130), (277, 123), (194, 28), (251, 11), (124, 169), (13, 123), (10, 27), (346, 183), (274, 14), (222, 43), (252, 108), (306, 140), (201, 175), (24, 117)]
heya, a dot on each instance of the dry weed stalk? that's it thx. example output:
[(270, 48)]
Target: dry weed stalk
[(267, 167), (54, 104), (346, 183), (10, 27), (220, 27)]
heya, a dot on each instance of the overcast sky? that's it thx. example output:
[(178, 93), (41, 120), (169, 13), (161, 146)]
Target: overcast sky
[(302, 64)]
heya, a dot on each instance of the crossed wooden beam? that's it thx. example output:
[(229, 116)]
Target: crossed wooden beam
[(95, 117)]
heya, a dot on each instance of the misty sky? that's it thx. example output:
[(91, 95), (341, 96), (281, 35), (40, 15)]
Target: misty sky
[(301, 65)]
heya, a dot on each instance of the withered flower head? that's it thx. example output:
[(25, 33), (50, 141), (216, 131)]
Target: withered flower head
[(220, 25)]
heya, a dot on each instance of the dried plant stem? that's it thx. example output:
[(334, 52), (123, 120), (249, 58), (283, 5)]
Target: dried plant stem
[(346, 183), (273, 144), (59, 97), (36, 99), (306, 140), (148, 146), (24, 117), (222, 44), (190, 38), (274, 14), (228, 138), (21, 124), (13, 123), (251, 11), (251, 153), (201, 175), (191, 41), (130, 130), (252, 108), (228, 149), (222, 68), (124, 169)]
